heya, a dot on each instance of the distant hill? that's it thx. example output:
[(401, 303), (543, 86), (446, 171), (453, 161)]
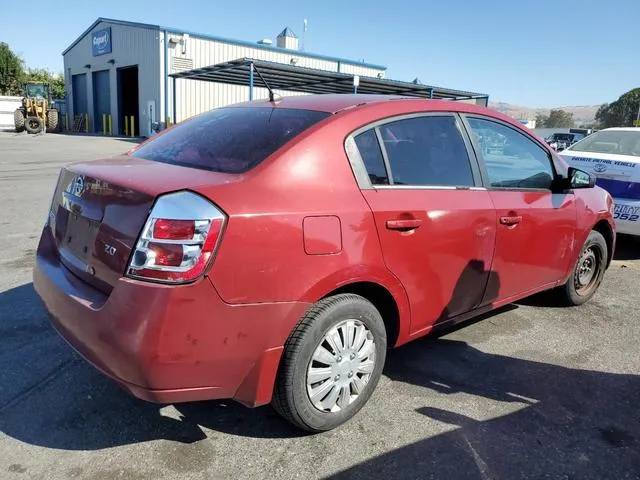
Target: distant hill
[(582, 114)]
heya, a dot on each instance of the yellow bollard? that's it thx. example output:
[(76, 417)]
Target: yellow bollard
[(109, 120), (168, 122), (104, 124), (86, 123), (126, 126), (133, 130)]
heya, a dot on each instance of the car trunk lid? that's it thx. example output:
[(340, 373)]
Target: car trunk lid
[(100, 207)]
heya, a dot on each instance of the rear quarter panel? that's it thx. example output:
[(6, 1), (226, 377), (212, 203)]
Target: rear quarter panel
[(262, 257)]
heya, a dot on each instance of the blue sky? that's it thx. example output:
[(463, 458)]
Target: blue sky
[(539, 54)]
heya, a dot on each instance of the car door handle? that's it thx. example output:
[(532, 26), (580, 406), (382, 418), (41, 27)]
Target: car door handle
[(403, 224), (511, 220)]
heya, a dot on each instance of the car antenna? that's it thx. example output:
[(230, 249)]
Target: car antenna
[(271, 94)]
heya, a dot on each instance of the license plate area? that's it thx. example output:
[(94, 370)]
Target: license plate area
[(80, 236)]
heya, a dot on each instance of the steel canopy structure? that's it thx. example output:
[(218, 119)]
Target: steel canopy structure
[(279, 76)]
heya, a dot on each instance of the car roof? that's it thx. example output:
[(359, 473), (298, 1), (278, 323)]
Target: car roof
[(621, 129), (336, 102)]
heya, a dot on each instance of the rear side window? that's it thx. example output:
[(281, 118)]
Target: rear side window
[(229, 140), (427, 151), (369, 149)]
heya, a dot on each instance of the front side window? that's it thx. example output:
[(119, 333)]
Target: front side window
[(621, 142), (229, 140), (427, 151), (512, 160)]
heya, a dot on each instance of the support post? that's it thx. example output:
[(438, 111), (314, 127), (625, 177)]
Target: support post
[(356, 82), (133, 128), (126, 125), (431, 93), (251, 82), (86, 123), (175, 114), (104, 124), (110, 125), (166, 75)]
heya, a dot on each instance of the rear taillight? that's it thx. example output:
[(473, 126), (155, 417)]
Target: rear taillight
[(178, 240)]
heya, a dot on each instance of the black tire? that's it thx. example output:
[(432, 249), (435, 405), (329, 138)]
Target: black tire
[(291, 399), (18, 120), (34, 124), (53, 121), (594, 253)]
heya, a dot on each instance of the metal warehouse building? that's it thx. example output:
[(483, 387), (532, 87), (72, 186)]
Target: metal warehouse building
[(123, 69)]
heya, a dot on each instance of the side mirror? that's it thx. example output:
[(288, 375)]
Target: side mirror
[(580, 179)]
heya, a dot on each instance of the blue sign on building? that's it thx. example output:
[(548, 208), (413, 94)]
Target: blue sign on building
[(101, 41)]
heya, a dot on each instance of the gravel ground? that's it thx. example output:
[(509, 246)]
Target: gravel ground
[(527, 392)]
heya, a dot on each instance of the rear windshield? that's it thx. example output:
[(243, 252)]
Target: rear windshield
[(229, 140)]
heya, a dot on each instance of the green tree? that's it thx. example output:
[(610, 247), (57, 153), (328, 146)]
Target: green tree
[(559, 119), (621, 113), (55, 81), (11, 71), (541, 120)]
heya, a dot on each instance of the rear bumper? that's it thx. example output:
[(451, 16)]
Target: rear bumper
[(627, 216), (168, 343)]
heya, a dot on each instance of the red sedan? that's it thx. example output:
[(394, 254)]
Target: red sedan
[(273, 251)]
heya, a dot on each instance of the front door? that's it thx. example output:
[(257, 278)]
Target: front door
[(437, 231), (535, 226)]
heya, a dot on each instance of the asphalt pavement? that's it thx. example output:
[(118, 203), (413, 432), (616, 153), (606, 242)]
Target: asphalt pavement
[(530, 391)]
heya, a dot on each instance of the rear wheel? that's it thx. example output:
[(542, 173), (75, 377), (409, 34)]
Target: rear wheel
[(53, 121), (34, 124), (331, 364), (18, 120), (588, 272)]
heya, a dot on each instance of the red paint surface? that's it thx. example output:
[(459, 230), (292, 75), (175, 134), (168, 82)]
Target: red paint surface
[(298, 229), (322, 235)]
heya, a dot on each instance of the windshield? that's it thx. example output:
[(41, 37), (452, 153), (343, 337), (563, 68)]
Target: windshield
[(563, 137), (620, 142), (36, 91), (229, 140)]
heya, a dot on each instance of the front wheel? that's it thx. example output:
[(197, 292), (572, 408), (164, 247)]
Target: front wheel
[(331, 363), (34, 124), (588, 272)]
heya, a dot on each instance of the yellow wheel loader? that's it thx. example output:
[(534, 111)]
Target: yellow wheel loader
[(37, 113)]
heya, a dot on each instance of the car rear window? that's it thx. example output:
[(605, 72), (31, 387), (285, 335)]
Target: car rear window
[(229, 140)]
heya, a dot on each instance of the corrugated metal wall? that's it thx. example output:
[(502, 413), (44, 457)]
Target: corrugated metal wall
[(145, 47), (130, 46), (193, 97)]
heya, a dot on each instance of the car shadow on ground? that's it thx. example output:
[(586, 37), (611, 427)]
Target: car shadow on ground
[(627, 248), (575, 423), (566, 423)]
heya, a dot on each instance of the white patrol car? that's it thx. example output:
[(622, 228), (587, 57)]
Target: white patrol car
[(612, 155)]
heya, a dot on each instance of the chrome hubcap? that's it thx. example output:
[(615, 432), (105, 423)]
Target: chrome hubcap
[(341, 366), (587, 267)]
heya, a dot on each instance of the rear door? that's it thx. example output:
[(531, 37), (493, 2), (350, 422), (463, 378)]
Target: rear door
[(436, 228), (535, 229)]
